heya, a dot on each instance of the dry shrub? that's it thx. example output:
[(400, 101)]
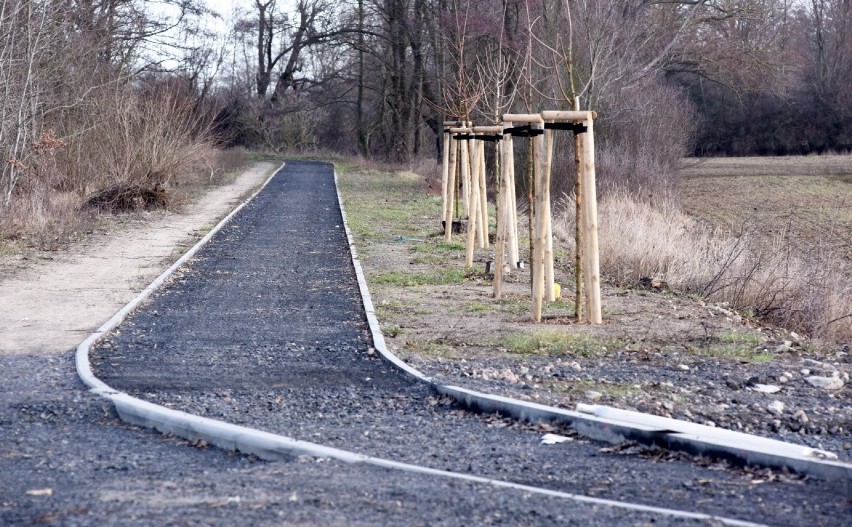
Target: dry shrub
[(153, 140), (809, 291), (40, 213), (228, 161), (42, 218), (140, 144), (130, 150)]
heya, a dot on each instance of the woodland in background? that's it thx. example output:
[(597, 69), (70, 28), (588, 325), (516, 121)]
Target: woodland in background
[(111, 105), (668, 77), (100, 92)]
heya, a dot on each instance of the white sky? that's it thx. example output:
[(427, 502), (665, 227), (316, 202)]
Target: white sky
[(224, 7)]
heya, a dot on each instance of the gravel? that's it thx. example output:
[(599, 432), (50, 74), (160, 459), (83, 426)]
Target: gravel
[(66, 460), (709, 391), (265, 328)]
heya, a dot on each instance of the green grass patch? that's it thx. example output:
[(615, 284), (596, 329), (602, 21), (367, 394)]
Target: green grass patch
[(733, 351), (477, 307), (388, 308), (735, 345), (360, 227), (738, 338), (551, 342), (262, 156), (392, 330), (429, 259), (383, 204), (411, 279), (8, 250), (514, 306), (432, 350), (559, 307), (442, 247)]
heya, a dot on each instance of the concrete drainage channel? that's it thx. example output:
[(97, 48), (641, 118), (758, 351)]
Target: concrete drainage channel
[(272, 446)]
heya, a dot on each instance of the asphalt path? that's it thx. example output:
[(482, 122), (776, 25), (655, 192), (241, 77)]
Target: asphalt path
[(265, 328)]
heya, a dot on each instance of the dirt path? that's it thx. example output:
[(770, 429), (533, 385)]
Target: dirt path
[(52, 305)]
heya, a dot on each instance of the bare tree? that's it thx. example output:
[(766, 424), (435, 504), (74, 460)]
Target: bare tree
[(44, 93), (282, 39), (831, 38), (25, 39)]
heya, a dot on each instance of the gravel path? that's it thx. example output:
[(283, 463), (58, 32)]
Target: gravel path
[(82, 467), (65, 459), (265, 329)]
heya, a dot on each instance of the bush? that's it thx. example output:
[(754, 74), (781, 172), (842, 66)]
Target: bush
[(641, 136), (806, 291)]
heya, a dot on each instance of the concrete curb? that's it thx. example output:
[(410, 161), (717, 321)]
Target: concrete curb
[(614, 425), (270, 446)]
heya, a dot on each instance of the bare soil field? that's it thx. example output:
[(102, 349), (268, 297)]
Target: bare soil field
[(804, 200), (656, 352)]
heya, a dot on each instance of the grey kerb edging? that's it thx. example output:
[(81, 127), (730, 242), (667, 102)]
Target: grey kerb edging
[(273, 446), (615, 426)]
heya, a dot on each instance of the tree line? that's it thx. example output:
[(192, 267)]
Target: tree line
[(668, 77), (84, 80)]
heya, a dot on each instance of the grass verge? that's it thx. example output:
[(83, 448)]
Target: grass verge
[(550, 342)]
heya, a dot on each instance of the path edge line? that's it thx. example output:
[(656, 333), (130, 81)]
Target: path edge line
[(272, 446), (695, 439)]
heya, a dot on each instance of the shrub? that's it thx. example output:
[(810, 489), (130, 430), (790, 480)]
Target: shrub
[(803, 290)]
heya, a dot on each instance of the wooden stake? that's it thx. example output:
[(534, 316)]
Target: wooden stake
[(483, 199), (549, 280), (445, 175), (464, 155), (578, 228), (578, 221), (451, 191), (503, 214), (473, 215), (514, 247), (474, 189), (476, 177), (590, 216), (540, 228)]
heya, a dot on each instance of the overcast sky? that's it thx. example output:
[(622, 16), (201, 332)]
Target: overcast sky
[(224, 7)]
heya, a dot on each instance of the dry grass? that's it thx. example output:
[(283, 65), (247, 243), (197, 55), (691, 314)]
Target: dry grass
[(801, 282), (43, 214), (42, 218)]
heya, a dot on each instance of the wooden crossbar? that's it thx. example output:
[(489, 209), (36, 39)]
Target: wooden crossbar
[(488, 129), (567, 116), (522, 118)]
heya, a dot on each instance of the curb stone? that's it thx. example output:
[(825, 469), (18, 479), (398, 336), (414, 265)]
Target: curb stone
[(613, 425)]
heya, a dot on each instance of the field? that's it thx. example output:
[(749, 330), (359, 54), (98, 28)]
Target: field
[(806, 201)]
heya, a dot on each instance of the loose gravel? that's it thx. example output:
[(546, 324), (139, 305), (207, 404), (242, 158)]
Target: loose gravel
[(66, 460), (265, 328)]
